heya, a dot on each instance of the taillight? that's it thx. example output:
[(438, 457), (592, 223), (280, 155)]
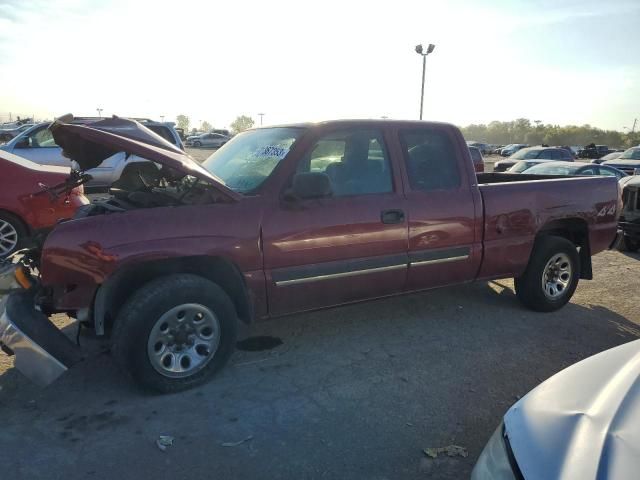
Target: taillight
[(479, 167)]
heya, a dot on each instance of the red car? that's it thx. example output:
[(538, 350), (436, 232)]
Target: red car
[(33, 198), (282, 220)]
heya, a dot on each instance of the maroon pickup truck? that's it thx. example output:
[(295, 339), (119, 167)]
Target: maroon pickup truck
[(282, 220)]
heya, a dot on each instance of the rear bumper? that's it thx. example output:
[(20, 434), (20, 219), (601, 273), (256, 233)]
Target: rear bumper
[(42, 352)]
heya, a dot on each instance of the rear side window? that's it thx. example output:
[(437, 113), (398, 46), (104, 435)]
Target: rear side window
[(565, 155), (41, 139), (164, 132), (431, 160)]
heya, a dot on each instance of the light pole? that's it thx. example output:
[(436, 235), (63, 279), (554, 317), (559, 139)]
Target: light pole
[(99, 112), (420, 51), (261, 115)]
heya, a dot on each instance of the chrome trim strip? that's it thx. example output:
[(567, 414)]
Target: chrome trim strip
[(332, 276), (439, 260)]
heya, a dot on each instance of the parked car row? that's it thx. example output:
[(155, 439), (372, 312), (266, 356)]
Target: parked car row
[(9, 132), (38, 145), (533, 153)]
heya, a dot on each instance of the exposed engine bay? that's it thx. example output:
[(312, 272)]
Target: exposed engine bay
[(144, 185)]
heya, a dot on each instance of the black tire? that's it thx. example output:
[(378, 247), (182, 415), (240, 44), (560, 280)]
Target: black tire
[(629, 244), (20, 230), (197, 144), (143, 309), (529, 287)]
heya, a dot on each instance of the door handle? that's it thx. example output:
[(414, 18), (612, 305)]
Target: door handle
[(392, 216)]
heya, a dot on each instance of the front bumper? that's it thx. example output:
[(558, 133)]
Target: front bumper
[(630, 229), (42, 351)]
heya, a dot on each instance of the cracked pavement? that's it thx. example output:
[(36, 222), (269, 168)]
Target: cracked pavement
[(353, 392)]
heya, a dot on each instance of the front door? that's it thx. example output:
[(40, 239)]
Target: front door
[(349, 246)]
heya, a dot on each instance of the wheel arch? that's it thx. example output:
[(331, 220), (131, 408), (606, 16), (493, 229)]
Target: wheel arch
[(115, 291), (576, 230)]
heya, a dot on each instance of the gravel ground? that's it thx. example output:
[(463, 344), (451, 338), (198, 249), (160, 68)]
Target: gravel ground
[(352, 392)]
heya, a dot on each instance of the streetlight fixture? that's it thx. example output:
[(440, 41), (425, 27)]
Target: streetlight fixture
[(261, 115), (420, 51), (99, 112), (162, 118)]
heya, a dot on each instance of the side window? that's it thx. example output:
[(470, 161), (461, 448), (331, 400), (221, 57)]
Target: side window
[(41, 139), (164, 132), (432, 163), (606, 172), (355, 161), (565, 155), (588, 171)]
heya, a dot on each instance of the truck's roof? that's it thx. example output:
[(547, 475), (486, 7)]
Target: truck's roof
[(360, 122)]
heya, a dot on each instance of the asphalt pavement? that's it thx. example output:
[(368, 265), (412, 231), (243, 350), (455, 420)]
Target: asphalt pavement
[(351, 392)]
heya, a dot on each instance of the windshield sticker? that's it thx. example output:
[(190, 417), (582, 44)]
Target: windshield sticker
[(270, 151)]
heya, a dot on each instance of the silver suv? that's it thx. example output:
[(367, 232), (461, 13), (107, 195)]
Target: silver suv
[(37, 144)]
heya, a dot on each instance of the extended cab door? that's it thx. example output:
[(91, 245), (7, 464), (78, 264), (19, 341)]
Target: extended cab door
[(348, 246), (443, 208)]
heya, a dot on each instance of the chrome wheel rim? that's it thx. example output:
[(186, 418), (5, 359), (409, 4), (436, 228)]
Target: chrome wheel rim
[(556, 276), (8, 237), (183, 340)]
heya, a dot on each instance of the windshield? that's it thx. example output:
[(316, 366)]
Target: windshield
[(631, 154), (525, 154), (554, 169), (247, 160)]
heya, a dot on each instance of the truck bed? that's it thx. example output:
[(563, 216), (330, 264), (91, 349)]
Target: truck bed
[(518, 206)]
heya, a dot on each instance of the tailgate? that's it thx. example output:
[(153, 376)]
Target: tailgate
[(517, 208)]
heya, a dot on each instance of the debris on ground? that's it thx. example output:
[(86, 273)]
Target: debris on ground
[(164, 441), (240, 442), (449, 450)]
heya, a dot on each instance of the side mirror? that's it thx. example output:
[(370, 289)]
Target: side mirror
[(22, 143), (310, 185)]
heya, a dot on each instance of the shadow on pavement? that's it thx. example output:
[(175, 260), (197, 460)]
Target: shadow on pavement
[(352, 392)]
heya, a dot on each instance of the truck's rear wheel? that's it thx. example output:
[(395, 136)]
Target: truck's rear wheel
[(175, 333), (552, 275)]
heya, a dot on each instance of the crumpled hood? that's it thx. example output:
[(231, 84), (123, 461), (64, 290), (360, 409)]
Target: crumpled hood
[(90, 145), (584, 422)]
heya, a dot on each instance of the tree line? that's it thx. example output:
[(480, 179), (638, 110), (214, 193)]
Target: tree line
[(240, 124), (523, 130)]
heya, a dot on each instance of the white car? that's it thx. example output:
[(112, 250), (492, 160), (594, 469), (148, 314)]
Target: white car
[(37, 144), (215, 140), (581, 424)]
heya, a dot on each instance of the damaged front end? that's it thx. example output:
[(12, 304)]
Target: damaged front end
[(42, 352)]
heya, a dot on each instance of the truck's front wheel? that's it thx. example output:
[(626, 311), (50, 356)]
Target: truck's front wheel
[(175, 333), (552, 275)]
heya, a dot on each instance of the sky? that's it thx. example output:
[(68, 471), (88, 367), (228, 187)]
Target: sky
[(558, 61)]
